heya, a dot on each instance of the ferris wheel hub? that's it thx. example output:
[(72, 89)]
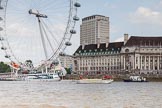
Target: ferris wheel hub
[(36, 13)]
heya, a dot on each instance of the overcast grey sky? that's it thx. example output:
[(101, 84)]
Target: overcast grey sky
[(135, 17)]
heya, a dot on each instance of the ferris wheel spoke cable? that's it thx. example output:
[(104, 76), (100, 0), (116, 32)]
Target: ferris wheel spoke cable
[(19, 40), (55, 39), (66, 32), (45, 34), (56, 8), (22, 20), (42, 38), (21, 2), (53, 5), (19, 5)]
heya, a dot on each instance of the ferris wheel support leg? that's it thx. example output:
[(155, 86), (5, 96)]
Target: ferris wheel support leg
[(46, 70), (16, 73), (42, 71), (12, 71)]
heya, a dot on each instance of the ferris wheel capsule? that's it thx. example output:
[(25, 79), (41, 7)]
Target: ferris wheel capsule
[(7, 56), (62, 54), (68, 43), (73, 31), (76, 18), (3, 48), (77, 4), (55, 62), (1, 7), (1, 18), (1, 28), (1, 38)]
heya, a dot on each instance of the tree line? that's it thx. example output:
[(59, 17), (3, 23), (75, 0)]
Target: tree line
[(4, 68)]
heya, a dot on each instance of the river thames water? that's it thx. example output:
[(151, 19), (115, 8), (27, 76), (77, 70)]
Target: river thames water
[(68, 94)]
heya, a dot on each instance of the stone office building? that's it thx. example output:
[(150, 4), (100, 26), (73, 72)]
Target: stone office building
[(136, 55), (142, 55), (95, 59), (94, 29)]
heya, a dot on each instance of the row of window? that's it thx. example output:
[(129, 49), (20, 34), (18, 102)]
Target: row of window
[(148, 49), (147, 59), (113, 58), (100, 72), (100, 68), (99, 62), (99, 53), (118, 49)]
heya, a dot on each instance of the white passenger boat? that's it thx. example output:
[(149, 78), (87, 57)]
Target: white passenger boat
[(42, 77), (48, 75)]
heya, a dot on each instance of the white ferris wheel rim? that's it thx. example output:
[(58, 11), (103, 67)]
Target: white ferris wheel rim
[(68, 31)]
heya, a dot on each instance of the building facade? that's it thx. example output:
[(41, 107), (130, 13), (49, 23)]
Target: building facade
[(95, 59), (136, 55), (94, 29), (66, 61), (142, 55)]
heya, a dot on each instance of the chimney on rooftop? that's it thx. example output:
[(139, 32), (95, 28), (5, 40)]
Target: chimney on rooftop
[(125, 38), (98, 42), (83, 45), (107, 44)]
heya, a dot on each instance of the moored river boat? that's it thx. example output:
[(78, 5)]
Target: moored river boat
[(104, 80), (135, 79), (42, 77), (94, 81)]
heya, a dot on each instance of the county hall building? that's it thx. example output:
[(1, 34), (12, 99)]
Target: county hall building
[(138, 55), (96, 55)]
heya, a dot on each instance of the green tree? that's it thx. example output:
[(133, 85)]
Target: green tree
[(4, 67), (68, 70)]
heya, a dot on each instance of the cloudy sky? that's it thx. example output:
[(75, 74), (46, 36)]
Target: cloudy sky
[(135, 17)]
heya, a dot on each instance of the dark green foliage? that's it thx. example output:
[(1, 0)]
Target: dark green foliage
[(68, 70), (4, 68)]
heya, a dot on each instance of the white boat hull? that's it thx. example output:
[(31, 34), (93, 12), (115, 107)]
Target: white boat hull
[(94, 81), (135, 79), (44, 80), (42, 77)]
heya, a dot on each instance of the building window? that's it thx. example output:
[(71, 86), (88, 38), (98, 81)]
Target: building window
[(127, 50)]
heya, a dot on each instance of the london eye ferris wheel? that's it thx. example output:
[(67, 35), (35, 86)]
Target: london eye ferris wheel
[(37, 30)]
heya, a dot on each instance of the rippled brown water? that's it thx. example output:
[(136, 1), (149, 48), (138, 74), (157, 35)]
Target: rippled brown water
[(68, 94)]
